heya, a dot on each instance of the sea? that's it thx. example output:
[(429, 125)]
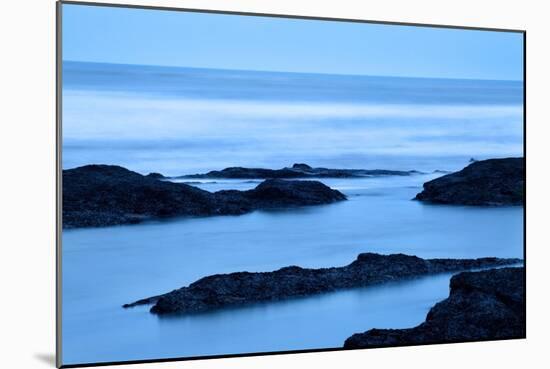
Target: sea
[(178, 121)]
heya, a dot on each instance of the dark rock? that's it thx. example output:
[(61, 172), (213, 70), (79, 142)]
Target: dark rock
[(486, 305), (277, 192), (225, 290), (102, 195), (301, 166), (487, 182), (297, 171), (155, 176), (248, 173)]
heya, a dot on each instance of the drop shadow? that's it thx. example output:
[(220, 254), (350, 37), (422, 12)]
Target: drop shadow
[(46, 358)]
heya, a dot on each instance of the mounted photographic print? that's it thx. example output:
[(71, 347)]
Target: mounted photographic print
[(235, 184)]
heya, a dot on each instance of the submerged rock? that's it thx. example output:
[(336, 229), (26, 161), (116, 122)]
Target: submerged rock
[(486, 182), (234, 289), (102, 195), (298, 170), (486, 305)]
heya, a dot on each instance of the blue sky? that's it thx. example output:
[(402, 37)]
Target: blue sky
[(152, 37)]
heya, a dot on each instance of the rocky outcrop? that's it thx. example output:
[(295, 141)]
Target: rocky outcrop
[(102, 195), (301, 166), (299, 170), (486, 305), (486, 182), (226, 290), (155, 175)]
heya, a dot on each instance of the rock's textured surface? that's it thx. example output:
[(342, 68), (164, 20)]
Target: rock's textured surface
[(299, 170), (102, 195), (486, 182), (226, 290), (482, 305), (155, 175)]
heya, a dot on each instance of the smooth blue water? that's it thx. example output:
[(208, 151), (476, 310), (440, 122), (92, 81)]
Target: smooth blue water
[(219, 84), (180, 120), (107, 267)]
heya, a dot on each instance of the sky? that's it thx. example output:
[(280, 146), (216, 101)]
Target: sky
[(200, 40)]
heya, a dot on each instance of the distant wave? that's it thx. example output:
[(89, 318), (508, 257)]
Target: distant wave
[(168, 134), (294, 110)]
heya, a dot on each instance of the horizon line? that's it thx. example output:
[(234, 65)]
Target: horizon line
[(294, 72)]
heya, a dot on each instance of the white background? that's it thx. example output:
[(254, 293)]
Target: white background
[(27, 309)]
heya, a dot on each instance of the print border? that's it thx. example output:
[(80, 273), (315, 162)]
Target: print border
[(59, 184)]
